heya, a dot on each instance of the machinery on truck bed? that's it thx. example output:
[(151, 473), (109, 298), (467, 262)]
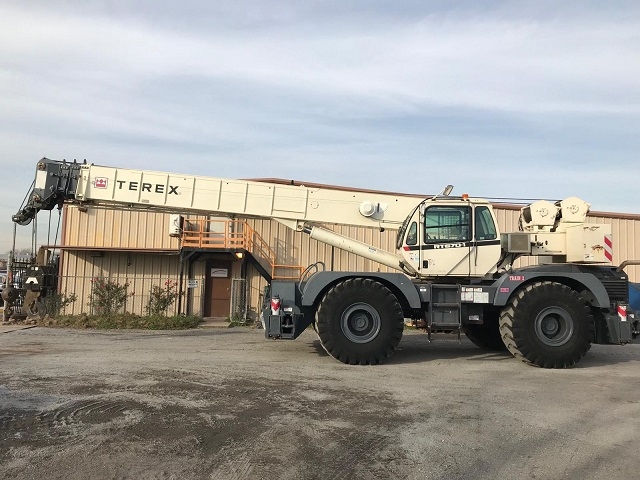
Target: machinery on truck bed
[(454, 269)]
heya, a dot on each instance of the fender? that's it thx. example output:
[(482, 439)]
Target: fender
[(318, 283), (510, 282)]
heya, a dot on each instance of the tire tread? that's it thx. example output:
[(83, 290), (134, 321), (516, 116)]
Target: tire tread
[(389, 304), (514, 330)]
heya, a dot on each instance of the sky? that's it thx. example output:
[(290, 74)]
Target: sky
[(503, 99)]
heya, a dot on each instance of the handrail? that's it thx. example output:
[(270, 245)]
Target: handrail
[(626, 263), (232, 234), (300, 269)]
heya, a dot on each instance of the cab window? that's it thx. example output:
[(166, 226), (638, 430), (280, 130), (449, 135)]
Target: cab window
[(485, 228), (412, 234), (444, 223)]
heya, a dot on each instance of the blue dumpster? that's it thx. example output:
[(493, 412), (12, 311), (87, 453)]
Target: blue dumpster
[(634, 296)]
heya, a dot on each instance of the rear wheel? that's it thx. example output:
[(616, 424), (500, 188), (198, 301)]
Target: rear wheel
[(547, 324), (360, 321)]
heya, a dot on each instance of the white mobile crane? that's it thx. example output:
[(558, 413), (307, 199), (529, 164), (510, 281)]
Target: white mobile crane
[(454, 268)]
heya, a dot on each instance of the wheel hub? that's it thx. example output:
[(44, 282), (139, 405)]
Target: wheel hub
[(554, 326), (360, 323), (550, 326)]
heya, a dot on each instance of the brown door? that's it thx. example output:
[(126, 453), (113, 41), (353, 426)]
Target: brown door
[(217, 299)]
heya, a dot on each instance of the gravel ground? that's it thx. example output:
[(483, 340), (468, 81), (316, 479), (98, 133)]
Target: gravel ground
[(228, 404)]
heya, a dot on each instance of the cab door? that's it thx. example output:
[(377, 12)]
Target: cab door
[(446, 240), (486, 246)]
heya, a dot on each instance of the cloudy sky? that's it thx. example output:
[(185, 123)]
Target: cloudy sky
[(517, 99)]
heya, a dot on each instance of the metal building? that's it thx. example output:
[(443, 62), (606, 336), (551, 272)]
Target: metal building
[(222, 265)]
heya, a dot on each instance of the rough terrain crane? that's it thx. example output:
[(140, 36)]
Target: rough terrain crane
[(454, 269)]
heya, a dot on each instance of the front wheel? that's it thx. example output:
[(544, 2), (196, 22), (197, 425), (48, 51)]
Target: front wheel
[(547, 324), (360, 322)]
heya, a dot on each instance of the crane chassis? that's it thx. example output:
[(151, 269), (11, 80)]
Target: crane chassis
[(454, 274)]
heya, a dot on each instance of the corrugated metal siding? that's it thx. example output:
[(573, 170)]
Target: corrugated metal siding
[(508, 221), (102, 228), (139, 270), (117, 229), (626, 241), (297, 248), (255, 289)]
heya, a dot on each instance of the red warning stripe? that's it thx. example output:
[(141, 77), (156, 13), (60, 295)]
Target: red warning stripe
[(608, 247), (622, 312)]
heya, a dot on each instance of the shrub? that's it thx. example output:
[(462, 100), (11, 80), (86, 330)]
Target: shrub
[(161, 298), (55, 303), (126, 321), (107, 297), (237, 320)]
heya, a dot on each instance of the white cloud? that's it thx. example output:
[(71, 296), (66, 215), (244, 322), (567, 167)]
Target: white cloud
[(366, 98), (481, 63)]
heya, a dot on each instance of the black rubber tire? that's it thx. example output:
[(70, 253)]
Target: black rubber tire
[(10, 294), (37, 308), (367, 301), (487, 335), (522, 325)]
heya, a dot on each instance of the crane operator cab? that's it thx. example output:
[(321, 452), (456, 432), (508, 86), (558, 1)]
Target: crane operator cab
[(450, 236)]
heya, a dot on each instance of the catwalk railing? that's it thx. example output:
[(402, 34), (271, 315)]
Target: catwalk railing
[(235, 235)]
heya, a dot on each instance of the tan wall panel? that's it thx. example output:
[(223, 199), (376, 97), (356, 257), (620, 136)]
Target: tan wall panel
[(508, 221), (626, 241), (108, 228), (103, 228), (141, 271), (255, 286)]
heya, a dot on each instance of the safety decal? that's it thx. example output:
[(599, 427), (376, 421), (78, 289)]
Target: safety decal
[(608, 247), (622, 312)]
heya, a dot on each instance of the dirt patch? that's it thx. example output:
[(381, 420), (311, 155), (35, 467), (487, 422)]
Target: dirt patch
[(227, 404), (228, 430)]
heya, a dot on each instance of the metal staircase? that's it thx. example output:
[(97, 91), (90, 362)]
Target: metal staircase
[(236, 236)]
